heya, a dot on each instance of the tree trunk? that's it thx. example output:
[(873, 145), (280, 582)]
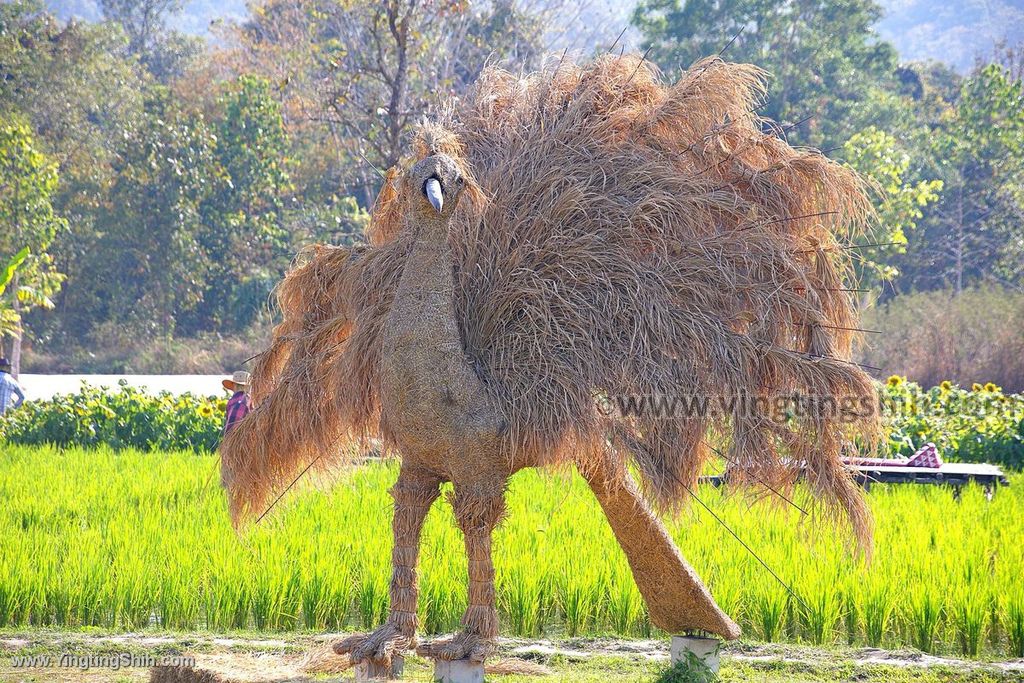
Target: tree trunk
[(960, 239), (16, 343)]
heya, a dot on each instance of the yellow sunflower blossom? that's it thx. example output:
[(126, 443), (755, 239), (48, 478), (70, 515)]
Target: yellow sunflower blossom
[(946, 385), (991, 388), (976, 387), (894, 381), (206, 410)]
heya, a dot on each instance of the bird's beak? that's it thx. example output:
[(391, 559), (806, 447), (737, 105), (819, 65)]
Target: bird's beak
[(432, 188)]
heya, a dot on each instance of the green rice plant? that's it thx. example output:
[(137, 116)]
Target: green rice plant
[(93, 601), (262, 599), (133, 591), (850, 605), (315, 593), (879, 605), (580, 589), (127, 539), (178, 604), (340, 594), (60, 596), (727, 587), (926, 610), (625, 604), (12, 597), (520, 597), (372, 593), (442, 603), (326, 591), (969, 612), (1013, 621), (768, 609), (227, 592), (821, 608)]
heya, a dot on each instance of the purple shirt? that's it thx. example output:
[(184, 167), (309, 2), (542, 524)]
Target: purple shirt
[(238, 407)]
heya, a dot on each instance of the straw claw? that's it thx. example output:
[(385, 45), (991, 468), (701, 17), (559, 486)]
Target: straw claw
[(379, 646), (463, 645)]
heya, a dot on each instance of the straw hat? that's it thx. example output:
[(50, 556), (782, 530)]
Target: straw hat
[(238, 382)]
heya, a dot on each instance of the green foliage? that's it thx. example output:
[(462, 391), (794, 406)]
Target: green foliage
[(27, 222), (7, 274), (976, 147), (10, 319), (824, 58), (689, 670), (243, 235), (969, 425), (876, 155), (151, 265), (166, 54), (128, 418), (979, 424)]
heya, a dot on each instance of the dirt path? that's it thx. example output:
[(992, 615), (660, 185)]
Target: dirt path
[(51, 656)]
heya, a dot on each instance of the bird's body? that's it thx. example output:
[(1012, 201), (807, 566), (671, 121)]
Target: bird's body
[(566, 239)]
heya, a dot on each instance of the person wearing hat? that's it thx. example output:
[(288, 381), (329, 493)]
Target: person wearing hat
[(239, 404), (9, 388)]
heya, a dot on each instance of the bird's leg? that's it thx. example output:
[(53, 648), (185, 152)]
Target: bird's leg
[(477, 514), (677, 600), (414, 493)]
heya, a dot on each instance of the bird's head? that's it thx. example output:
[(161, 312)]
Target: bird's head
[(436, 182)]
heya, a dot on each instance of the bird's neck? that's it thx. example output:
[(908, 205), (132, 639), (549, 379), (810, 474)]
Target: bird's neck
[(432, 231), (429, 267)]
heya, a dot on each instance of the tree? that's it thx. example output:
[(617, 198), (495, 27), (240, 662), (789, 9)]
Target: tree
[(244, 236), (876, 155), (828, 68), (79, 94), (976, 231), (27, 181), (164, 52), (10, 319), (355, 76), (149, 262)]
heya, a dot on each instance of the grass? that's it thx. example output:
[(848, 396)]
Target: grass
[(129, 540)]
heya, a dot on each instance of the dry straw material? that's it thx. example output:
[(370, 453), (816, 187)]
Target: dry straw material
[(619, 237)]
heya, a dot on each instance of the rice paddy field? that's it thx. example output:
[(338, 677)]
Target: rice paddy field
[(128, 540)]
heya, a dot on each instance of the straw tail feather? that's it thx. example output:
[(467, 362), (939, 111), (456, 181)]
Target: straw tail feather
[(295, 422)]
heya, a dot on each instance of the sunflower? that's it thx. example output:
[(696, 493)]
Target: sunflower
[(894, 381), (991, 388), (946, 385), (976, 387), (206, 410)]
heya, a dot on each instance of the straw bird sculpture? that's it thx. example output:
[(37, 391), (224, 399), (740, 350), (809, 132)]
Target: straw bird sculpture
[(557, 241)]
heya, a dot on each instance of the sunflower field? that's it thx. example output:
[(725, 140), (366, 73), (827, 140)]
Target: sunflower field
[(126, 418), (975, 424)]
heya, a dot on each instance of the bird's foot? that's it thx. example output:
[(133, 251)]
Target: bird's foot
[(462, 645), (379, 646)]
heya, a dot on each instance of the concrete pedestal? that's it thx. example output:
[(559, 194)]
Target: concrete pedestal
[(370, 671), (704, 649), (458, 671)]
